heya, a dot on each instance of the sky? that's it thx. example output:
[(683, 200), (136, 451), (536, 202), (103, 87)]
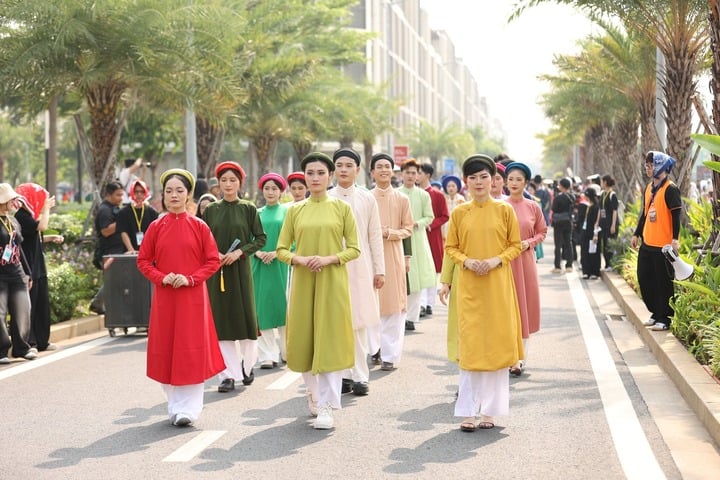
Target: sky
[(506, 59)]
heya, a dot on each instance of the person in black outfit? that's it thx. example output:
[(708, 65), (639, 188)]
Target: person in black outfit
[(587, 216), (134, 219), (562, 210), (14, 279), (33, 216), (608, 218), (109, 241)]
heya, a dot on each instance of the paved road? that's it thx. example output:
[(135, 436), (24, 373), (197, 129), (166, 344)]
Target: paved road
[(592, 405)]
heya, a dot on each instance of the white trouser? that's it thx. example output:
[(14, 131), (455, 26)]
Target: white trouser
[(270, 347), (428, 296), (413, 306), (186, 399), (392, 338), (525, 349), (325, 387), (361, 371), (374, 335), (249, 352), (484, 393)]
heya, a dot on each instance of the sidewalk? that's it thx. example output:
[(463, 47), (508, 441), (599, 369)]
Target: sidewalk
[(699, 389)]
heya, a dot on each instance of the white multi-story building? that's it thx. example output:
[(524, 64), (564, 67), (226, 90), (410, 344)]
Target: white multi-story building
[(420, 66)]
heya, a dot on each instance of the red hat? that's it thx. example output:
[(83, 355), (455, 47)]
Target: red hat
[(234, 166), (272, 176), (296, 176), (500, 168)]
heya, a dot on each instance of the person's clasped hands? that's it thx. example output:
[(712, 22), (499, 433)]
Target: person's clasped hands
[(176, 280), (481, 267)]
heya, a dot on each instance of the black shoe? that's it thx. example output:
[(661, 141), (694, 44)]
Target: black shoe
[(360, 388), (226, 385), (409, 325), (428, 311), (422, 312), (247, 379), (376, 360), (347, 385), (387, 367)]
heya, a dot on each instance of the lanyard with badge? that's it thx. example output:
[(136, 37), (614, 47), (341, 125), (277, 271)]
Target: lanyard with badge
[(652, 213), (138, 221), (8, 250)]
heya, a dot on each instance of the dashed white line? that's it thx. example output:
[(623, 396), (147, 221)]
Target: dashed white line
[(285, 381), (188, 451), (633, 449)]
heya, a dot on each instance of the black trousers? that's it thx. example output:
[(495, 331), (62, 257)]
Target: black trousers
[(590, 261), (655, 277), (40, 314), (562, 232)]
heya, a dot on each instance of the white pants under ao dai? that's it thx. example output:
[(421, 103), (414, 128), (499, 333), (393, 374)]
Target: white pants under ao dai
[(483, 393), (249, 352), (325, 387), (392, 337), (187, 399)]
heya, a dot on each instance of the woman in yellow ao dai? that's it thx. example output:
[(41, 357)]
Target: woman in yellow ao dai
[(483, 238)]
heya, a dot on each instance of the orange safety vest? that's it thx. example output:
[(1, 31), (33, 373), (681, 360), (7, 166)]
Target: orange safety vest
[(657, 233)]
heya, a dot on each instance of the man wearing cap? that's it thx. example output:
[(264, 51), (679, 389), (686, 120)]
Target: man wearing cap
[(367, 272), (396, 225), (434, 232), (422, 273), (658, 225)]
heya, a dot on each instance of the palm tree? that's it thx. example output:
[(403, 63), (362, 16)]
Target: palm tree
[(108, 54), (679, 30)]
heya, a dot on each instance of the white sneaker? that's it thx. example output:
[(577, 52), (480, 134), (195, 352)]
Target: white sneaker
[(659, 327), (30, 355), (649, 322), (50, 347), (182, 420), (312, 404), (324, 420), (4, 361), (34, 350)]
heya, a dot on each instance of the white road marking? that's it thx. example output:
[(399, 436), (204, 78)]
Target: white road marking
[(285, 381), (188, 451), (54, 357), (636, 457)]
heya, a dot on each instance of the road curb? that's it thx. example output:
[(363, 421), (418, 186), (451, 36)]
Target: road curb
[(699, 389), (75, 328)]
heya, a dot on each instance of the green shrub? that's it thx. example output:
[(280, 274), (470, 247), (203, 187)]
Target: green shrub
[(64, 286)]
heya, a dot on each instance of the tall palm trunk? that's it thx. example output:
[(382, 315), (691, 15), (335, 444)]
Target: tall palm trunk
[(679, 89), (625, 158), (648, 133), (210, 137), (714, 19), (302, 148), (103, 103)]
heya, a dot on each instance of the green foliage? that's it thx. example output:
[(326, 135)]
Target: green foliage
[(72, 279), (697, 307), (65, 288)]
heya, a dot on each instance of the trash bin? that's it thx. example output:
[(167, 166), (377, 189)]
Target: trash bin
[(127, 294)]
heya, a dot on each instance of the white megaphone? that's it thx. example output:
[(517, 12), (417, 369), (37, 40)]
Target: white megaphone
[(682, 269)]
